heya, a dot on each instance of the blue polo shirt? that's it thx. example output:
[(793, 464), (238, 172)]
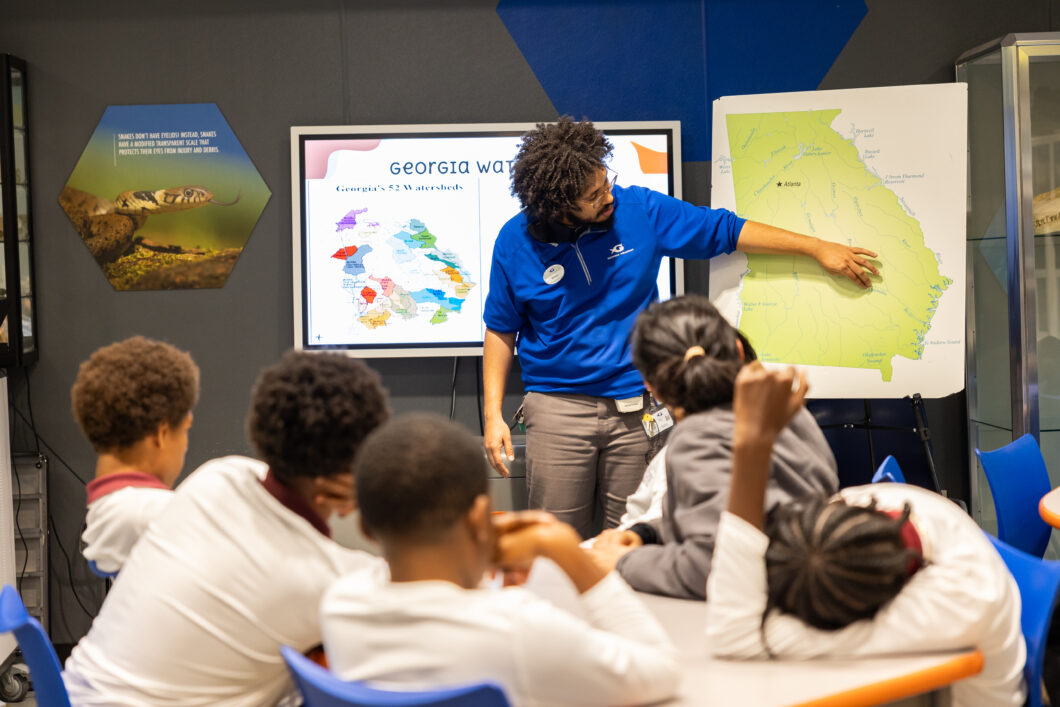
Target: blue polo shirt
[(572, 305)]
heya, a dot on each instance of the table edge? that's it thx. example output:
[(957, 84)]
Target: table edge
[(916, 683), (1048, 514)]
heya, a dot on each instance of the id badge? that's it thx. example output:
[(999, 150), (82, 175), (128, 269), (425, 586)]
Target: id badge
[(656, 419)]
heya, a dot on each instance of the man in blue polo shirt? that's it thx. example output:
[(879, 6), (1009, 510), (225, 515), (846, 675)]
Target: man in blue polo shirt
[(570, 274)]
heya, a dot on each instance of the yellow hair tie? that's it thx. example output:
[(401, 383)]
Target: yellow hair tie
[(694, 351)]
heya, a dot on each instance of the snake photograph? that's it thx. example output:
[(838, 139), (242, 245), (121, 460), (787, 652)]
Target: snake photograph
[(109, 229)]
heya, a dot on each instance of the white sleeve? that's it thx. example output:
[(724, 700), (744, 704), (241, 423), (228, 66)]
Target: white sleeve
[(115, 523), (645, 504), (944, 606), (623, 655)]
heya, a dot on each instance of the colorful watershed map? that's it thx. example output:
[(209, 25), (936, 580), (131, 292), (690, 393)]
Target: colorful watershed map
[(398, 270), (858, 174)]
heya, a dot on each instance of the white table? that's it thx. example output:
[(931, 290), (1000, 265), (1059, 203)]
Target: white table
[(914, 679), (761, 683)]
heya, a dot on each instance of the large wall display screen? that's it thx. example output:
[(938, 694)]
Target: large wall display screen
[(393, 228)]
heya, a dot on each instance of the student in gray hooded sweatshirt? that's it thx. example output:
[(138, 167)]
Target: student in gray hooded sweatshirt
[(689, 356)]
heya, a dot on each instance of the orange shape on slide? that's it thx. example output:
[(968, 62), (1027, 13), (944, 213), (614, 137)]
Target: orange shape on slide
[(369, 294), (651, 161), (343, 253)]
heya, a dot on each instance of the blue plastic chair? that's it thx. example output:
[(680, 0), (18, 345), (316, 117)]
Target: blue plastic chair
[(889, 471), (1038, 581), (100, 573), (37, 650), (1018, 479), (320, 688)]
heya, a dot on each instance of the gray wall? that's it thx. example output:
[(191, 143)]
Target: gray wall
[(270, 65)]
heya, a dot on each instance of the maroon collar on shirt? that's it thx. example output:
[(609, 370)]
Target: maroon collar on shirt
[(98, 488), (911, 540), (294, 503)]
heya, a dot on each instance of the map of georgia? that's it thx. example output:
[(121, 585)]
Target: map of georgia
[(398, 270), (794, 171)]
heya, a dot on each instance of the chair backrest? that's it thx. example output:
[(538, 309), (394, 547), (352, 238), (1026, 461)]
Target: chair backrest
[(889, 471), (320, 688), (1018, 479), (1038, 581), (37, 650), (100, 573)]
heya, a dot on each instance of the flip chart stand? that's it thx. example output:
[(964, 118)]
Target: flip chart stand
[(920, 428)]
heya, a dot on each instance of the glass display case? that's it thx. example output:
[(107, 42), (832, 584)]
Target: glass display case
[(1013, 318), (18, 326)]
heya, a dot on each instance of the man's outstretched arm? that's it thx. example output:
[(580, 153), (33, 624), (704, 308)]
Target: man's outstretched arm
[(838, 259)]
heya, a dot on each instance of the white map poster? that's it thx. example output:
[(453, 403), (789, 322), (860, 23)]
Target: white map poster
[(880, 168)]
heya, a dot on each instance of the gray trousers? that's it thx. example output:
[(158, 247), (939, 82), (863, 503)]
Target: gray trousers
[(582, 454)]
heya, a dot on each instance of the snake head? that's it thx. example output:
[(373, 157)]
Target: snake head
[(188, 196)]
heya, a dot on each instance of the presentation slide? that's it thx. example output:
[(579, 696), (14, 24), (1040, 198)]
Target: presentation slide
[(398, 232)]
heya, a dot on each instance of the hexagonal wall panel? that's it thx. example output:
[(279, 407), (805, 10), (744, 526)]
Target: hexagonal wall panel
[(164, 196)]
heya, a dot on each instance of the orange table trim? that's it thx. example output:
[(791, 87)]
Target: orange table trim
[(962, 666), (1048, 515)]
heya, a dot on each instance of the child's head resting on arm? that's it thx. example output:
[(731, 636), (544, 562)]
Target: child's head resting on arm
[(828, 563), (831, 564), (133, 402), (688, 353)]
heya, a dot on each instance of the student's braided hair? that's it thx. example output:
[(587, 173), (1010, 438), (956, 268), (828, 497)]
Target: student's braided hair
[(555, 165), (831, 564), (662, 337)]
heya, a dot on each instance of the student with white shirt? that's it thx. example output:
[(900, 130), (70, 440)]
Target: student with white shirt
[(236, 564), (421, 484), (133, 402), (879, 569)]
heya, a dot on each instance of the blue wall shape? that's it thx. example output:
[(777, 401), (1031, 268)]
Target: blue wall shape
[(668, 59)]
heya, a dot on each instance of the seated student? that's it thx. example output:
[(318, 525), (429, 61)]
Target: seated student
[(689, 357), (236, 564), (879, 569), (133, 402), (421, 484)]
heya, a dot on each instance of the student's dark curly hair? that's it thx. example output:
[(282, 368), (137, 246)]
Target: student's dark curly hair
[(662, 336), (310, 412), (417, 475), (831, 564), (128, 390), (555, 165)]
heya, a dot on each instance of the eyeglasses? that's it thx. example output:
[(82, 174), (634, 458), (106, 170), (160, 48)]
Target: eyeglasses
[(595, 203)]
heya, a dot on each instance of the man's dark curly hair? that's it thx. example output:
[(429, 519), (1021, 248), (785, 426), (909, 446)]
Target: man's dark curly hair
[(126, 391), (555, 165), (417, 475), (310, 412)]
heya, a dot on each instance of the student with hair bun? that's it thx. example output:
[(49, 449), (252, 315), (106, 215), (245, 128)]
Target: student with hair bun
[(878, 569), (689, 356)]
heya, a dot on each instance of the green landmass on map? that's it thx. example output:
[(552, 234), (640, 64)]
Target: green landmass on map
[(794, 171)]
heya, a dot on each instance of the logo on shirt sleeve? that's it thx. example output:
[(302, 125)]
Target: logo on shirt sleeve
[(618, 250)]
